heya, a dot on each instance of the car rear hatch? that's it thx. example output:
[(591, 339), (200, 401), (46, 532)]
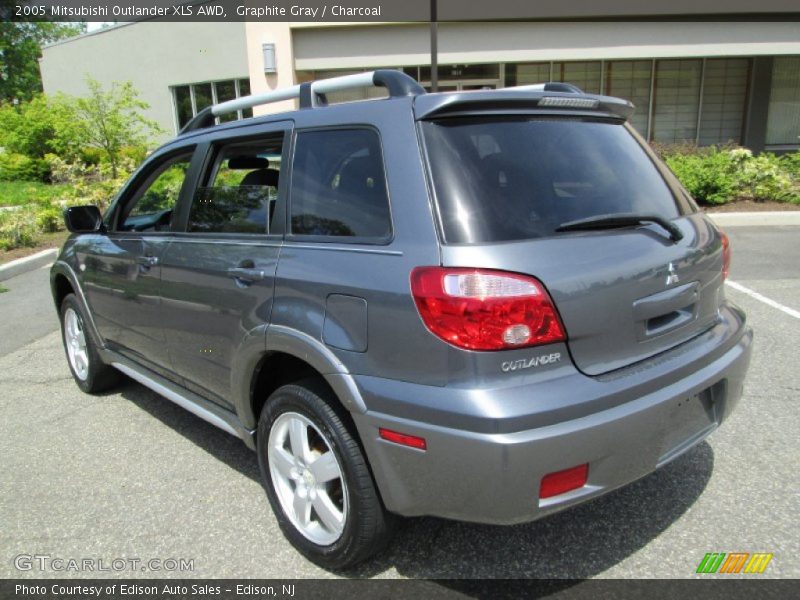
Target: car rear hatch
[(528, 191)]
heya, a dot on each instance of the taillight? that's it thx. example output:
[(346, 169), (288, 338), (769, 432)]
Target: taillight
[(726, 255), (479, 309)]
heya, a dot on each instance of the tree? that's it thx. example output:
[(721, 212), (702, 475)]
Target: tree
[(44, 125), (111, 120), (20, 50)]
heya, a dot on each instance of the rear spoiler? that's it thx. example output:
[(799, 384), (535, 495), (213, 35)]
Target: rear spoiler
[(549, 98)]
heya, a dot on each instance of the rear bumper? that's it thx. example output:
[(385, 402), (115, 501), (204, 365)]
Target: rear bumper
[(484, 462)]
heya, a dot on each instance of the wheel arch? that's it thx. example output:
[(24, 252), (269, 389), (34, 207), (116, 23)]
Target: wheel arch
[(64, 281), (288, 356)]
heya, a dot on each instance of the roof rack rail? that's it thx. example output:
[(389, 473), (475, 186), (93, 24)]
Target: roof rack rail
[(311, 94)]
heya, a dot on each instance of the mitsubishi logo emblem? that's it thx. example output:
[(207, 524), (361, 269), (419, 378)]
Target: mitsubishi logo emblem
[(672, 275)]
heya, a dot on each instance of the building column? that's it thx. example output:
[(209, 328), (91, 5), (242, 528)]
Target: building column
[(754, 135), (280, 34)]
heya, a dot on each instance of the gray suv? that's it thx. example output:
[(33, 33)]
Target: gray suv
[(486, 306)]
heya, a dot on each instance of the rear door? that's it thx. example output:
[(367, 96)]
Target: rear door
[(123, 268), (503, 188), (218, 274)]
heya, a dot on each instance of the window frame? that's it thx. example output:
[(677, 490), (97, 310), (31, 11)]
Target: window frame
[(339, 239), (208, 152), (208, 175)]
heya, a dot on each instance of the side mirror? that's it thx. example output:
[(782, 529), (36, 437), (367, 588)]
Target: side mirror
[(83, 219)]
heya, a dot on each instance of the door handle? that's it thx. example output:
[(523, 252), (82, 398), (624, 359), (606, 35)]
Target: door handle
[(248, 275), (148, 261)]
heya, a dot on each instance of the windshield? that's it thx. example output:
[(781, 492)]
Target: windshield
[(503, 179)]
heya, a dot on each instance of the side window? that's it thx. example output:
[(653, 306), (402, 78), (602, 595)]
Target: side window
[(339, 185), (241, 190), (152, 205)]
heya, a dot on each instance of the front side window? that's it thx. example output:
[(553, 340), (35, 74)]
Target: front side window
[(152, 205), (241, 191), (515, 178), (339, 185)]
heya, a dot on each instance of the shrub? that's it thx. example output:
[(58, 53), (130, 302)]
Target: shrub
[(17, 228), (89, 184), (716, 175), (763, 177), (18, 167), (49, 219), (709, 177)]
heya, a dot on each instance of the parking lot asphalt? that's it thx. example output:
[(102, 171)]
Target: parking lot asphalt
[(130, 475)]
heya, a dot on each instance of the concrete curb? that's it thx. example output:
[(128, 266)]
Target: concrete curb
[(28, 263), (756, 219)]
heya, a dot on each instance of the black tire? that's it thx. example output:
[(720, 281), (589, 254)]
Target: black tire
[(368, 527), (99, 377)]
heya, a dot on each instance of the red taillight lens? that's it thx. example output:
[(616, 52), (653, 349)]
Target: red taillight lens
[(726, 256), (560, 482), (403, 439), (479, 309)]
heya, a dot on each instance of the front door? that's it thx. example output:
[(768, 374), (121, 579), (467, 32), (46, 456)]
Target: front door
[(218, 274), (123, 266)]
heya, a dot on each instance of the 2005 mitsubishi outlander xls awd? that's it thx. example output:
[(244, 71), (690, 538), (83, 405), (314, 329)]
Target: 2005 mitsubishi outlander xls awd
[(486, 306)]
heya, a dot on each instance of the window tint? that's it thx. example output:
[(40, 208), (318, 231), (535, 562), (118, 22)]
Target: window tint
[(242, 190), (516, 178), (152, 206), (338, 185)]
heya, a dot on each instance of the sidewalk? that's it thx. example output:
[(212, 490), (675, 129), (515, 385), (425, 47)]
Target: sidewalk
[(755, 219)]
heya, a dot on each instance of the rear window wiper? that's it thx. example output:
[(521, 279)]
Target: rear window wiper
[(621, 220)]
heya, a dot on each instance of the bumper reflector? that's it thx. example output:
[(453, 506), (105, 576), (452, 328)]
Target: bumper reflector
[(403, 439), (559, 482)]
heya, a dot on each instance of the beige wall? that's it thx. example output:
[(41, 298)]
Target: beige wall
[(459, 43), (153, 55), (156, 56)]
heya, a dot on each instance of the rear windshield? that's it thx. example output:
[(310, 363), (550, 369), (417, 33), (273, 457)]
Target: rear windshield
[(503, 179)]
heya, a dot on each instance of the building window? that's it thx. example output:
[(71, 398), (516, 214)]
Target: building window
[(783, 120), (527, 73), (631, 79), (586, 75), (676, 101), (364, 93), (724, 100), (192, 98)]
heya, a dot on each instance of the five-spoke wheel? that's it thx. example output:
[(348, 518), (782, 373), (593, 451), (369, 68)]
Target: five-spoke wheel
[(317, 478), (307, 478)]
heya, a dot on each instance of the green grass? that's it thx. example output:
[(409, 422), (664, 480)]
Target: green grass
[(3, 289), (17, 193)]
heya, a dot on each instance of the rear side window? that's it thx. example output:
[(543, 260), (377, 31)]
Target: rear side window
[(339, 186), (240, 192), (503, 179)]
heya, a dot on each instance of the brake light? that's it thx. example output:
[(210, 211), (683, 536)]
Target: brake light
[(726, 255), (479, 309)]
